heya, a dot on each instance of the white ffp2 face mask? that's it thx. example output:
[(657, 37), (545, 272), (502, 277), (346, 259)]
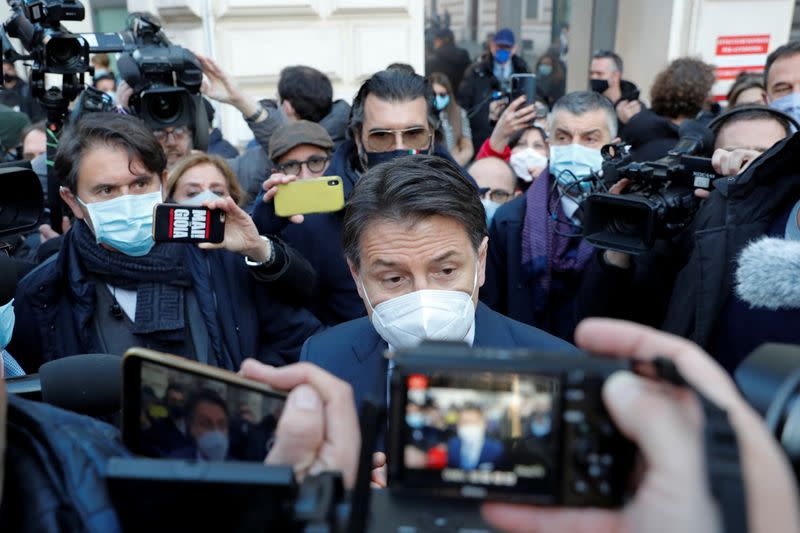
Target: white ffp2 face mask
[(428, 314)]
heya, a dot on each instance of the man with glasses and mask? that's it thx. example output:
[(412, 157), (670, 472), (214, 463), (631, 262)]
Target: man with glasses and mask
[(496, 181), (536, 253), (392, 117), (415, 239)]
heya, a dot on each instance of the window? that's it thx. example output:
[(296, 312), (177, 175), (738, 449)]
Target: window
[(532, 9)]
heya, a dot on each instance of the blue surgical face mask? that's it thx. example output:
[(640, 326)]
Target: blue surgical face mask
[(572, 163), (213, 446), (125, 223), (376, 158), (502, 55), (199, 199), (545, 69), (441, 101), (491, 207), (789, 104), (415, 420), (7, 319)]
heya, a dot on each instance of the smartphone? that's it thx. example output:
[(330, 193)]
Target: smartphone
[(188, 223), (523, 85), (174, 408), (304, 197)]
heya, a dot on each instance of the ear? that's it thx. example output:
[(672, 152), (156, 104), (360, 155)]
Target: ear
[(483, 251), (72, 202), (288, 109)]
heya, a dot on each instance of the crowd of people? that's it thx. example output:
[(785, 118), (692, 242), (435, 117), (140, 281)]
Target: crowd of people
[(463, 222)]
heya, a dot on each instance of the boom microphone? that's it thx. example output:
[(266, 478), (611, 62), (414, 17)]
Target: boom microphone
[(89, 384), (768, 273)]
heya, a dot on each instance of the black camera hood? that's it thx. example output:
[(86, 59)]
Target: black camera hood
[(22, 201)]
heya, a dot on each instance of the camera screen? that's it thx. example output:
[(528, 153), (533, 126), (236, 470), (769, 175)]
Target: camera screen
[(496, 432), (188, 416)]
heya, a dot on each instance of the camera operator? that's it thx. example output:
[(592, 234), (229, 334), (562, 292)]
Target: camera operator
[(684, 285), (111, 286), (414, 234), (16, 94), (667, 424), (392, 117), (536, 253)]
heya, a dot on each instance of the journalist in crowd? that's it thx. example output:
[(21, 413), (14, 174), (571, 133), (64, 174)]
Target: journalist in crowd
[(392, 117), (415, 239), (111, 286), (684, 285), (536, 252)]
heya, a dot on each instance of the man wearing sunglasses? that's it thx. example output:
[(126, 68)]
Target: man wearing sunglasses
[(392, 117)]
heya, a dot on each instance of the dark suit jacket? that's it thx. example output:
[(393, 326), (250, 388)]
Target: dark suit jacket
[(353, 351), (491, 452), (510, 291)]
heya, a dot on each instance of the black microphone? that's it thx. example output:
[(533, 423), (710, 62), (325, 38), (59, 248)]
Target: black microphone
[(89, 384), (695, 138)]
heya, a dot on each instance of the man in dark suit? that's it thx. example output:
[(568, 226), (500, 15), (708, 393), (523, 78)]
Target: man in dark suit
[(415, 239), (472, 449)]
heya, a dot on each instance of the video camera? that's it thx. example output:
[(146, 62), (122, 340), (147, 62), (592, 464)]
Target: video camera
[(660, 201), (166, 81)]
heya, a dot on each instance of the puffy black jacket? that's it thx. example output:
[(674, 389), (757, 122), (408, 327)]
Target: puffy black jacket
[(685, 287)]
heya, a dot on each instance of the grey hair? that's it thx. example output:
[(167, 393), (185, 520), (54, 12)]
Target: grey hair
[(410, 189), (582, 102)]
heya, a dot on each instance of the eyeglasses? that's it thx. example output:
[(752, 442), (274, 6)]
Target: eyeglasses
[(178, 133), (314, 164), (496, 195), (416, 138)]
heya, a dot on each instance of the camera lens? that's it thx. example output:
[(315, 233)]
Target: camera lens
[(165, 108), (65, 53), (333, 183)]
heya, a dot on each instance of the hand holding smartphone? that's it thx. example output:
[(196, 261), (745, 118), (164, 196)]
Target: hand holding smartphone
[(188, 224)]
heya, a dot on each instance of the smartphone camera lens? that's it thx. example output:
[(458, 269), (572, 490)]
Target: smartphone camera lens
[(333, 183)]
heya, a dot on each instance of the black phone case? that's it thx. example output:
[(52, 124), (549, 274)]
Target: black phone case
[(188, 223), (524, 85)]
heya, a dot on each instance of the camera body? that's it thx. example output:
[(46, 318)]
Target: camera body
[(659, 202), (543, 435), (166, 82), (53, 49)]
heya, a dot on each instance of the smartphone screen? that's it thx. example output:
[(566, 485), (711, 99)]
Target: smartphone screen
[(496, 433), (185, 415), (187, 223)]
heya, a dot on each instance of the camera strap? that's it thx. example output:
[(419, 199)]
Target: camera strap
[(724, 468), (723, 464)]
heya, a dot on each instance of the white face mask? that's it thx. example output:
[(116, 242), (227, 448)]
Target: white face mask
[(471, 433), (526, 159), (407, 320)]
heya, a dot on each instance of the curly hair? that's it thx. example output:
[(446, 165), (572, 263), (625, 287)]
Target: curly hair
[(681, 89)]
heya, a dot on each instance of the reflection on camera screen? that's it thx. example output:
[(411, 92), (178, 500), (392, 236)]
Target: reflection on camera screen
[(186, 416), (483, 429)]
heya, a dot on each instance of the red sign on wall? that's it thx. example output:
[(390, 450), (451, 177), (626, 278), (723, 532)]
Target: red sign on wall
[(737, 45)]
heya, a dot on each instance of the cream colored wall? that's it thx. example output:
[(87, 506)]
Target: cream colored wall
[(651, 33), (254, 39)]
